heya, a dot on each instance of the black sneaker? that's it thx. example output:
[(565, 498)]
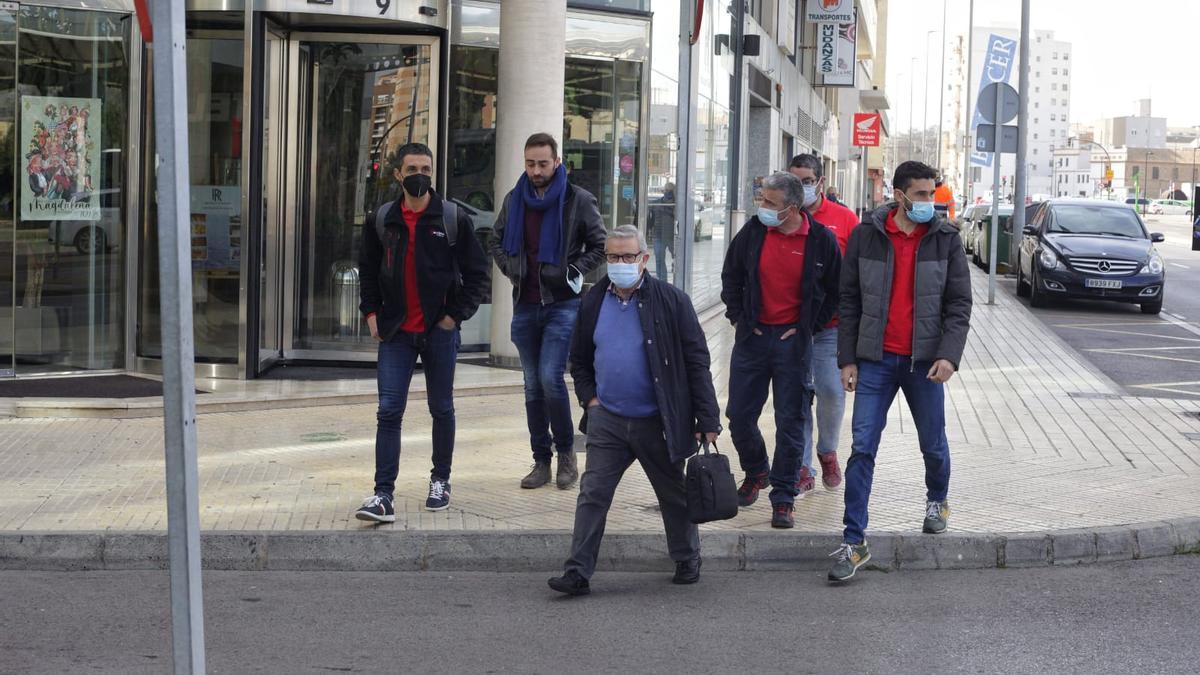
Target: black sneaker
[(377, 509), (439, 495), (570, 584), (687, 572), (781, 516)]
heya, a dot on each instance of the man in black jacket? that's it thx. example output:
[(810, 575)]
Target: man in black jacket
[(419, 282), (548, 236), (779, 285), (641, 368), (905, 314)]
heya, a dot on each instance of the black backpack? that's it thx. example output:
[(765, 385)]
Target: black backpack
[(449, 220)]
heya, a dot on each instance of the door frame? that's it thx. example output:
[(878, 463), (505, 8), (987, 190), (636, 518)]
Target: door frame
[(301, 120)]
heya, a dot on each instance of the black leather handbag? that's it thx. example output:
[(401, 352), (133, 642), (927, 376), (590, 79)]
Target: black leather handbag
[(711, 489)]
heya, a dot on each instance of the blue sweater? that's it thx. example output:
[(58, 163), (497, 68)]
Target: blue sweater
[(623, 382)]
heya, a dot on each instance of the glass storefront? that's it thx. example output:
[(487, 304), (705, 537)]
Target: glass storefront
[(64, 93)]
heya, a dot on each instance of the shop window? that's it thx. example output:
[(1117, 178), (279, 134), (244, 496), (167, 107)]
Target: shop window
[(69, 132)]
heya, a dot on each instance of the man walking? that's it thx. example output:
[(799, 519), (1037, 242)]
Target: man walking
[(423, 273), (547, 237), (779, 284), (641, 368), (662, 227), (824, 378), (905, 313)]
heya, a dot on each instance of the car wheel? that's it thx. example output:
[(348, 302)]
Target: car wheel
[(1037, 297), (90, 240), (1151, 307), (1022, 286)]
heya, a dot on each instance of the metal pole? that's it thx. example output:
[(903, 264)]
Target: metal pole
[(1021, 179), (178, 353), (1146, 180), (942, 91), (734, 203), (993, 240), (968, 185), (925, 95), (684, 200), (912, 139)]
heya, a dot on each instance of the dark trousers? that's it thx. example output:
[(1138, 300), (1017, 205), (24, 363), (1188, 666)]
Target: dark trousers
[(438, 350), (878, 382), (613, 442), (760, 364), (542, 335)]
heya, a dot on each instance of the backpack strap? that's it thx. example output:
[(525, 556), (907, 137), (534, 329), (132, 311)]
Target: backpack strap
[(450, 221), (381, 220)]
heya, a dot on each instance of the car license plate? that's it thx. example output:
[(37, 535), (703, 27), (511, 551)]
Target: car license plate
[(1103, 283)]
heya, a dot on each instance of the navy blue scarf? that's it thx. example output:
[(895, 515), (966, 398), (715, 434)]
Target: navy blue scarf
[(552, 204)]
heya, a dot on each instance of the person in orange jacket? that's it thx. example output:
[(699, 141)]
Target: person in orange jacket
[(943, 199)]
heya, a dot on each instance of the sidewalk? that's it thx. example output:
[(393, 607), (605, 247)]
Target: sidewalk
[(1041, 443)]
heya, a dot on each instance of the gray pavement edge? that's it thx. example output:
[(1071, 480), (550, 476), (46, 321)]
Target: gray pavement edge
[(544, 551)]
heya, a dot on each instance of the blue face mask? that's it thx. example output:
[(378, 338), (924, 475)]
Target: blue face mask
[(921, 212), (624, 275), (769, 217)]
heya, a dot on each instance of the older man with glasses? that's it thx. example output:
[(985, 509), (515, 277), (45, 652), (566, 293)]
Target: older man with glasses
[(640, 363)]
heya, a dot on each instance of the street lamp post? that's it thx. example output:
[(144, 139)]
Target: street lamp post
[(941, 92), (1146, 181), (925, 92), (912, 78)]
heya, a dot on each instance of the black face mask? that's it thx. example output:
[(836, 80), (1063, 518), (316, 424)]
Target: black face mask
[(417, 185)]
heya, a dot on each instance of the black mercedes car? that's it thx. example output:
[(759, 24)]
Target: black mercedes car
[(1079, 248)]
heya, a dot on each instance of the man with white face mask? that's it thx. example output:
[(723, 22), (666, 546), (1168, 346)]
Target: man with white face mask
[(779, 285), (641, 368), (905, 311), (824, 377)]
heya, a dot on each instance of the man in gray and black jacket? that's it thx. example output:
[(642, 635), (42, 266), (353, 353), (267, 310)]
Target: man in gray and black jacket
[(905, 312)]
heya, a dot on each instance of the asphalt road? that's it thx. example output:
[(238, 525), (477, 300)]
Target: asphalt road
[(1136, 617), (1146, 355)]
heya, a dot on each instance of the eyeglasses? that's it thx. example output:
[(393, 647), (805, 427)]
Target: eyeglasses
[(614, 258)]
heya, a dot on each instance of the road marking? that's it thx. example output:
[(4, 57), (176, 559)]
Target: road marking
[(1143, 349), (1178, 321), (1109, 323), (1171, 387), (1153, 335), (1145, 356), (1182, 267)]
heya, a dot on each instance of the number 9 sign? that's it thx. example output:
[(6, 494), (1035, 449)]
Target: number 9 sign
[(383, 5)]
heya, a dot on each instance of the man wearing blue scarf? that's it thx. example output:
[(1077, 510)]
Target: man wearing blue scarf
[(548, 236)]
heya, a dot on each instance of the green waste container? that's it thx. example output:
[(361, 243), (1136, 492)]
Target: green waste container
[(983, 249)]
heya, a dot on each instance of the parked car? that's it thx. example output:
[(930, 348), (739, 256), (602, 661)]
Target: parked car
[(91, 236), (960, 222), (982, 226), (969, 228), (1170, 207), (1091, 249)]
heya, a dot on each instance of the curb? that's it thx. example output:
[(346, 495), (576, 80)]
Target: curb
[(544, 551)]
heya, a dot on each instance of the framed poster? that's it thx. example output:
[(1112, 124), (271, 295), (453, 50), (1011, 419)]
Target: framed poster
[(216, 227), (60, 156)]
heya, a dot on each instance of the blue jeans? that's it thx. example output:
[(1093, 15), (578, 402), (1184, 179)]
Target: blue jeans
[(878, 382), (542, 334), (438, 350), (825, 380), (760, 363)]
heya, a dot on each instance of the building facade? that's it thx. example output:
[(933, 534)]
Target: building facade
[(295, 109)]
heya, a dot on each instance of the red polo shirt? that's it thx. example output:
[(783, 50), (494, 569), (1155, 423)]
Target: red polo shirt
[(842, 221), (414, 318), (898, 334), (780, 272)]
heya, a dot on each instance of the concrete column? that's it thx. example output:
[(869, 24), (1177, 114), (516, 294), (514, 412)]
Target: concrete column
[(533, 37)]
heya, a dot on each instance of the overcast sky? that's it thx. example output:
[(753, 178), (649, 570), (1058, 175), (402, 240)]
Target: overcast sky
[(1121, 50)]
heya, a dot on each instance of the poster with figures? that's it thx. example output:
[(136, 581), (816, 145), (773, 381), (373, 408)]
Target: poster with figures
[(60, 155)]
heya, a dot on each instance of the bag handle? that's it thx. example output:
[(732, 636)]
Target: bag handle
[(704, 445)]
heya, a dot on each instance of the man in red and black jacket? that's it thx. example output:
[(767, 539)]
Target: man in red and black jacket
[(779, 285), (420, 280), (825, 379)]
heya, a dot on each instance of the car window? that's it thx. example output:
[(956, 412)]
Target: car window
[(1085, 219)]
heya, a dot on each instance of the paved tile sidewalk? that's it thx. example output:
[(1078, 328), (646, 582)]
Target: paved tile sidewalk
[(1039, 441)]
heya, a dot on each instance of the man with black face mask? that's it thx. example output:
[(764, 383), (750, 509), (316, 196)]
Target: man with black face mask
[(423, 273)]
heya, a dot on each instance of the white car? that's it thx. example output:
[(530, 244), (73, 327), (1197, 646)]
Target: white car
[(1170, 207)]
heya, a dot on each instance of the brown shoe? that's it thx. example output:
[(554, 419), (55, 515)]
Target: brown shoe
[(539, 476), (568, 470)]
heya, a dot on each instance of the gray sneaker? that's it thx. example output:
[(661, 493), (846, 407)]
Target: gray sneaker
[(936, 515), (568, 470), (539, 476), (850, 557)]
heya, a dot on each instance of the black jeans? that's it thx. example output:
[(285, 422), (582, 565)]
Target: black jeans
[(613, 443), (438, 350), (759, 365)]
